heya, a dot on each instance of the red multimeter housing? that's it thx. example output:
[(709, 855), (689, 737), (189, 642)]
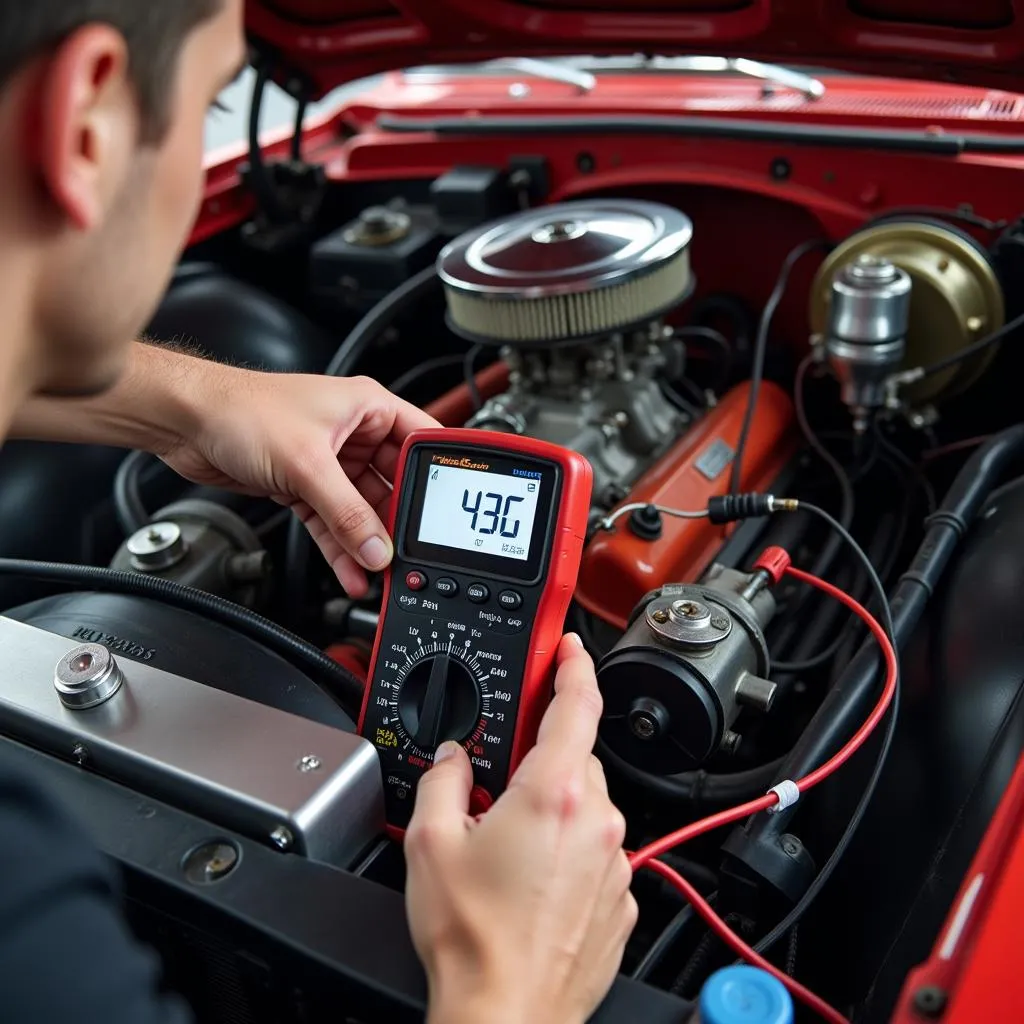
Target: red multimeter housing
[(489, 531)]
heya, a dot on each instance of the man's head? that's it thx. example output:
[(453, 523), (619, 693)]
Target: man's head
[(102, 111)]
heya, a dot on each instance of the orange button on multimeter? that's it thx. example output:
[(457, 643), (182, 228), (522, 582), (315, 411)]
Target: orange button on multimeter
[(500, 521)]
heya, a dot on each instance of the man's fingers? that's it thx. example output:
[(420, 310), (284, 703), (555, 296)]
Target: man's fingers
[(570, 724), (442, 794), (348, 516)]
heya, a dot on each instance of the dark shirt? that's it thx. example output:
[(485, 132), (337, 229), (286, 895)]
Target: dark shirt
[(66, 953)]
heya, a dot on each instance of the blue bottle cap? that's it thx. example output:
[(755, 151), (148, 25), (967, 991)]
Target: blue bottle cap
[(744, 995)]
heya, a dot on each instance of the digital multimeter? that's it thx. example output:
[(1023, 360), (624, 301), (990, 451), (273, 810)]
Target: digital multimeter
[(489, 530)]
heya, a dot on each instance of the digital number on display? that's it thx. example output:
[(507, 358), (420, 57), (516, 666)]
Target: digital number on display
[(490, 513)]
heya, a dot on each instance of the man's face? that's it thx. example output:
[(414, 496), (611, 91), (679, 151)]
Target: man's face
[(104, 277)]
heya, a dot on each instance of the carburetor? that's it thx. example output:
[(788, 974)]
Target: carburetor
[(573, 296), (693, 657)]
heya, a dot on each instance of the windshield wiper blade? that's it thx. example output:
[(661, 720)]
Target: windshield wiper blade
[(552, 71), (811, 88)]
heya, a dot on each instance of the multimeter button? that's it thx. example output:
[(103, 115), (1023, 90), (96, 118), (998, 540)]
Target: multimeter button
[(479, 801), (510, 599), (446, 586), (477, 593), (415, 580)]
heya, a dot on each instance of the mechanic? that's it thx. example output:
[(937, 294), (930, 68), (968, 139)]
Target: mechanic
[(520, 917)]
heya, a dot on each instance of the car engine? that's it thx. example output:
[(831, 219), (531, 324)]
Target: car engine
[(188, 673)]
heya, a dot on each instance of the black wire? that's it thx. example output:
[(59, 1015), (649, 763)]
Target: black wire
[(847, 508), (728, 305), (698, 396), (902, 459), (823, 657), (972, 350), (300, 125), (794, 938), (853, 629), (378, 319), (662, 944), (695, 966), (128, 504), (681, 403), (469, 372), (819, 449), (760, 350), (262, 184), (400, 384), (343, 687), (719, 342), (800, 908)]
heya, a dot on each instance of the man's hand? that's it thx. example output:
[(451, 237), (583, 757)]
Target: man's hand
[(325, 447), (522, 917)]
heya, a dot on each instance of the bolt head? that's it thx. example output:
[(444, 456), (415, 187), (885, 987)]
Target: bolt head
[(930, 1001), (282, 838), (660, 615), (643, 726), (309, 763), (210, 862), (689, 609), (791, 846)]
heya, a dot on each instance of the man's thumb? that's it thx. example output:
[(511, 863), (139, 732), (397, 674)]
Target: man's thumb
[(444, 790)]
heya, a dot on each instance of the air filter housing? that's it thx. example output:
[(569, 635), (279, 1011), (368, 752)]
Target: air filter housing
[(567, 272)]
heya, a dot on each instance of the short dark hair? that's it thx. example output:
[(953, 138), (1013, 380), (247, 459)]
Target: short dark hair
[(155, 31)]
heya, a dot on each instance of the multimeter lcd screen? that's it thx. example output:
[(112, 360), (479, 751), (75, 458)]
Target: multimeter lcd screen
[(489, 513), (480, 510)]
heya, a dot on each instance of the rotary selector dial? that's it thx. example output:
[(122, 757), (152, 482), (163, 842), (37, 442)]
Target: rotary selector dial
[(439, 695), (439, 700)]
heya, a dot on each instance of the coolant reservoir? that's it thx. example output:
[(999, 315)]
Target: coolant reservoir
[(744, 995)]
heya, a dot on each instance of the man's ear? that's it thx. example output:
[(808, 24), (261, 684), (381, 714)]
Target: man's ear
[(88, 124)]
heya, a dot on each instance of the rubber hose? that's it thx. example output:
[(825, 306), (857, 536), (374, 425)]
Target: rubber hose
[(128, 505), (344, 361), (846, 704), (262, 183), (343, 687)]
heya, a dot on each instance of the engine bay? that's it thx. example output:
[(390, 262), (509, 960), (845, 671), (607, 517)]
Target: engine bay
[(691, 340)]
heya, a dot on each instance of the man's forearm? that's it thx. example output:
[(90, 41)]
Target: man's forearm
[(153, 406)]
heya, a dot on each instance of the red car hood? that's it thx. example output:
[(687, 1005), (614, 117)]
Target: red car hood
[(333, 41)]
